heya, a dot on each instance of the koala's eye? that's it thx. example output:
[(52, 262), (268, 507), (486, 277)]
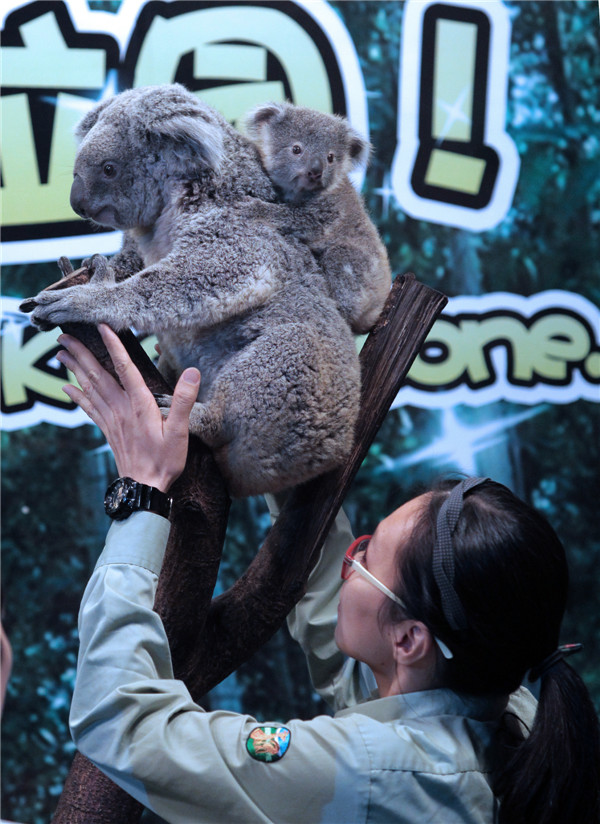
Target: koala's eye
[(330, 157), (296, 148), (109, 170)]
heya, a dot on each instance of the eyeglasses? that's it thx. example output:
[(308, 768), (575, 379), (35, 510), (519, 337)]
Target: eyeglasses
[(350, 563)]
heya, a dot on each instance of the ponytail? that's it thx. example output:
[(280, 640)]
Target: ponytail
[(552, 776)]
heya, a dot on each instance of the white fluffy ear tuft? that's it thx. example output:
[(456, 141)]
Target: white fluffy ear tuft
[(261, 115), (205, 138), (89, 120), (358, 148)]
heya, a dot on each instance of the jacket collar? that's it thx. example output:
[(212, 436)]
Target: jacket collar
[(429, 703)]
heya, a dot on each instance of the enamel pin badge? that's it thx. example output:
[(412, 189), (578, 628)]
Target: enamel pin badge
[(268, 743)]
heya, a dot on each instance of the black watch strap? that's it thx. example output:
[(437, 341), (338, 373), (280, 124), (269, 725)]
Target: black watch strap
[(125, 496), (152, 499)]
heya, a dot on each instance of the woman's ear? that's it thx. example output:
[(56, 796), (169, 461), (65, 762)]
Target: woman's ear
[(413, 643)]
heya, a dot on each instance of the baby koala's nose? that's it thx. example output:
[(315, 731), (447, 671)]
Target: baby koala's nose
[(315, 171)]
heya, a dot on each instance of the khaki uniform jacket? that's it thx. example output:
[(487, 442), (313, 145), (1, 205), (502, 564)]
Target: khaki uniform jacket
[(419, 757)]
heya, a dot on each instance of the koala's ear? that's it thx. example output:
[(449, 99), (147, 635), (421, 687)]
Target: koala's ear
[(89, 120), (262, 116), (192, 128), (359, 149)]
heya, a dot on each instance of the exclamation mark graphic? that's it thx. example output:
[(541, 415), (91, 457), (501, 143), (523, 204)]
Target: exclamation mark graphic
[(453, 164)]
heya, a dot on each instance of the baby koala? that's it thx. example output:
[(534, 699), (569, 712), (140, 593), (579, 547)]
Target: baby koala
[(308, 154)]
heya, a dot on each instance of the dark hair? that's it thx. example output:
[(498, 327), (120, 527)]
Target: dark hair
[(511, 578)]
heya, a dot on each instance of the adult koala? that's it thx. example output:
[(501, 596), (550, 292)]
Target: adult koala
[(280, 378)]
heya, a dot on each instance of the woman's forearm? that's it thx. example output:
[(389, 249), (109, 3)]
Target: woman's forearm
[(338, 680)]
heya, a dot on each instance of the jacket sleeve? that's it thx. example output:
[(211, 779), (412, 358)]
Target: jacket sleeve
[(342, 682), (140, 726)]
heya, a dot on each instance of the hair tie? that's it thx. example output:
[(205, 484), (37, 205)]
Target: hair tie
[(551, 660)]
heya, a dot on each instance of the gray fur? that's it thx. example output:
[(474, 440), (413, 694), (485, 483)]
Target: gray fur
[(308, 155), (227, 294)]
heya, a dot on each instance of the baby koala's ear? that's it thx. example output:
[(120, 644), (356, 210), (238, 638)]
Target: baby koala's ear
[(263, 115), (359, 149), (197, 131)]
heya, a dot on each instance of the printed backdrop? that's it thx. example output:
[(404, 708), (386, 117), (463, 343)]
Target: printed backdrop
[(484, 117)]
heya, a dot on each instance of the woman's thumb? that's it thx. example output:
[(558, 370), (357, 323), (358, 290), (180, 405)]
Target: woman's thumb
[(186, 392)]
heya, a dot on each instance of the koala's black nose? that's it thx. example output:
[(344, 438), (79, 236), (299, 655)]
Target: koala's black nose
[(315, 171), (76, 199)]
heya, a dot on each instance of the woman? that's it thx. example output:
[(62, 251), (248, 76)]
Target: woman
[(456, 597)]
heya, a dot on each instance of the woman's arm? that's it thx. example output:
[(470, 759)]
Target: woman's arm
[(340, 681), (140, 726)]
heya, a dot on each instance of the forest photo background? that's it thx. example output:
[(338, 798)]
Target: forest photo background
[(54, 477)]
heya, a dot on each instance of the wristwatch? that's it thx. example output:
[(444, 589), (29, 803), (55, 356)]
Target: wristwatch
[(125, 496)]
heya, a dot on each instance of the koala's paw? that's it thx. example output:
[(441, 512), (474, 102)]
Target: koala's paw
[(164, 403), (53, 308), (29, 305), (205, 423), (100, 270)]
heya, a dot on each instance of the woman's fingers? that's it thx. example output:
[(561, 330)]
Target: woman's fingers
[(77, 396), (99, 392), (125, 369)]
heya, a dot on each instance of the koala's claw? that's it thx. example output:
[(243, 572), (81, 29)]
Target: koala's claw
[(28, 305), (100, 269), (65, 266), (43, 325)]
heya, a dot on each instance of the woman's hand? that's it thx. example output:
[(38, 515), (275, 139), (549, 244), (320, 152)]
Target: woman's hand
[(147, 447)]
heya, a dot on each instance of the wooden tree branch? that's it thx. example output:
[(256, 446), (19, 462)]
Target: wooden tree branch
[(211, 639)]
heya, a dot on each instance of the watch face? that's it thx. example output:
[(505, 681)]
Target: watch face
[(117, 500), (125, 496)]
